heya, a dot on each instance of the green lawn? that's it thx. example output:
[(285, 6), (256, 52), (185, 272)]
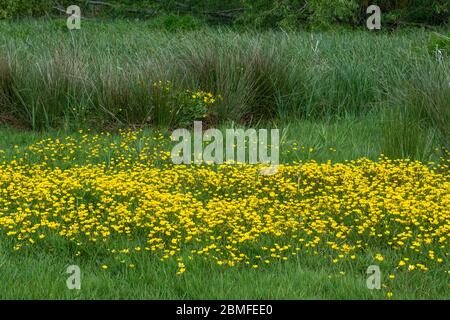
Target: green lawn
[(43, 276)]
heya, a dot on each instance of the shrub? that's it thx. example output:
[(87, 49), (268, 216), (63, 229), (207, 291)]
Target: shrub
[(432, 12), (324, 13), (260, 13), (21, 8), (173, 107)]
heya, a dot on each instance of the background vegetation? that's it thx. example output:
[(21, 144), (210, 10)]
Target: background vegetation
[(260, 13), (335, 93), (103, 77)]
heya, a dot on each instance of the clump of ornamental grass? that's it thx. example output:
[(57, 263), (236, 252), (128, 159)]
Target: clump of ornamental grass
[(418, 113)]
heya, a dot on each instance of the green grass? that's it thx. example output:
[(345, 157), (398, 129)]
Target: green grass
[(100, 77), (339, 95), (43, 276), (335, 140), (55, 77)]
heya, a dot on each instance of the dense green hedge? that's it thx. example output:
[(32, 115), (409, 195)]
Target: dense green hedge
[(292, 13), (15, 8), (259, 13)]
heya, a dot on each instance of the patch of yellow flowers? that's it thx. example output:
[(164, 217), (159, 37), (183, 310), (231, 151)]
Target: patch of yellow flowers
[(205, 97), (133, 200)]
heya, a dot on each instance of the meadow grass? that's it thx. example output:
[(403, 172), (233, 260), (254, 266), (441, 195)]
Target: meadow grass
[(40, 272), (341, 140), (42, 275), (57, 75), (100, 76), (335, 96)]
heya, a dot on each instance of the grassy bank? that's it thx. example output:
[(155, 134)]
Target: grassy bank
[(43, 276)]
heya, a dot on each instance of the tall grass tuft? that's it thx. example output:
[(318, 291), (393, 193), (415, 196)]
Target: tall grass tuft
[(6, 87), (102, 76), (418, 113)]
